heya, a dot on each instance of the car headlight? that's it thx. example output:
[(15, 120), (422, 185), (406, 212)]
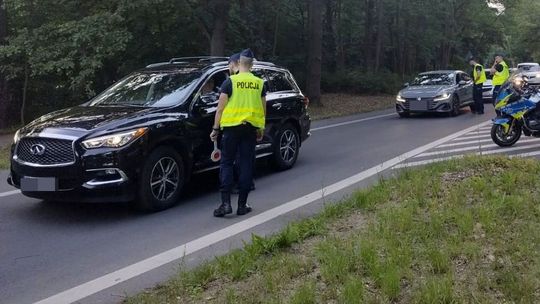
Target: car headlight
[(442, 97), (400, 98), (17, 136), (114, 140)]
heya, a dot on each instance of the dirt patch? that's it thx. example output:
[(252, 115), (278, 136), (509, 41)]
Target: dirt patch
[(335, 105)]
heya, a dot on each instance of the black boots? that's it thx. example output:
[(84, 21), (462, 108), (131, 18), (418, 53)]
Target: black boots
[(225, 207), (243, 207)]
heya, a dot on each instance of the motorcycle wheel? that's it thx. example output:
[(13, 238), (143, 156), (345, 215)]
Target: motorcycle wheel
[(505, 140)]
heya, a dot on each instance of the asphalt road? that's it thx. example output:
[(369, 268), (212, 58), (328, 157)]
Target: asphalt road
[(46, 248)]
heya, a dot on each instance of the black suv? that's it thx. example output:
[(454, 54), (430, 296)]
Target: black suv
[(142, 138)]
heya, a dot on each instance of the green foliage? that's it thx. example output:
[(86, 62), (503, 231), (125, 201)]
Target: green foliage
[(74, 49), (359, 81)]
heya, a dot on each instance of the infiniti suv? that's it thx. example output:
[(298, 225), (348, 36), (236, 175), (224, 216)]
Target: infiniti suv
[(141, 139)]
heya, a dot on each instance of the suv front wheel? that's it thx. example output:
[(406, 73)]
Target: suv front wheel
[(286, 147), (162, 180)]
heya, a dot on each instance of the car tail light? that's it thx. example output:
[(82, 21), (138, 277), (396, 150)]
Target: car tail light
[(305, 101)]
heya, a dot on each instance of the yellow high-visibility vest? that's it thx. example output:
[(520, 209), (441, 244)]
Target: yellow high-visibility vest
[(245, 103), (500, 77), (482, 78)]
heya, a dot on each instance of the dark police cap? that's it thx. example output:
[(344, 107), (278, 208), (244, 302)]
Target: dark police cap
[(498, 54), (234, 57), (247, 53)]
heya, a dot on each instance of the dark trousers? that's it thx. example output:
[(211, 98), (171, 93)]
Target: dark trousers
[(238, 143), (478, 100), (496, 90)]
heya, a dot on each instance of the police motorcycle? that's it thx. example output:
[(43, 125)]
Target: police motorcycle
[(518, 111)]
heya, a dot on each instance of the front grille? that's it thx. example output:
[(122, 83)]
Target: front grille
[(56, 151), (431, 104)]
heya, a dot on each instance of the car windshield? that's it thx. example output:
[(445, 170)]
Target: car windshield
[(529, 68), (149, 89), (434, 79)]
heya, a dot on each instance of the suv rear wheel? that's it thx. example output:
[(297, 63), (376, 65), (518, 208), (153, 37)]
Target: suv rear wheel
[(162, 180), (286, 147)]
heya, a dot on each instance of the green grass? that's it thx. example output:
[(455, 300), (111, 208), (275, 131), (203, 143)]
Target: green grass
[(456, 232), (4, 158)]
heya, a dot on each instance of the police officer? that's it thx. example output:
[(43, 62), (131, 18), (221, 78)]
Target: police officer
[(240, 116), (233, 70), (479, 77), (501, 73), (233, 63)]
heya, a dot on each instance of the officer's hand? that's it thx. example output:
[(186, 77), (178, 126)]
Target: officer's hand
[(214, 135), (260, 135)]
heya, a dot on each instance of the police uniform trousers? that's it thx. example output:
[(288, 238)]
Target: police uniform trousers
[(237, 145), (496, 90), (478, 98)]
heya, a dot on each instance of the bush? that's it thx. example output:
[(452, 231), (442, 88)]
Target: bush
[(356, 81)]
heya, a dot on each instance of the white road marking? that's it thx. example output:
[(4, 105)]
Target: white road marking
[(479, 133), (352, 122), (121, 275), (471, 148), (9, 193), (472, 137), (435, 160), (535, 153), (465, 143)]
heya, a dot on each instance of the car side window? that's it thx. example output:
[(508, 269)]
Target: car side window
[(209, 91), (261, 74), (279, 82)]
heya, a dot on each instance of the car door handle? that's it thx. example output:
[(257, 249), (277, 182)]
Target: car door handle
[(277, 105)]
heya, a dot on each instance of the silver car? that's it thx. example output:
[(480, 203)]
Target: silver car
[(444, 91), (531, 70)]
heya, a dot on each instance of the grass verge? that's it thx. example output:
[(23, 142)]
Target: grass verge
[(4, 158), (336, 105), (455, 232)]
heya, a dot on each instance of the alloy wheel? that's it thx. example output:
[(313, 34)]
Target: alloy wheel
[(288, 146), (164, 179)]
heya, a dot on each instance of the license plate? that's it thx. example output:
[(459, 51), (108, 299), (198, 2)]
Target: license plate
[(418, 105), (41, 184)]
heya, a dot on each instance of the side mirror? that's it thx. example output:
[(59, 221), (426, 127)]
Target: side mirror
[(406, 84), (462, 82)]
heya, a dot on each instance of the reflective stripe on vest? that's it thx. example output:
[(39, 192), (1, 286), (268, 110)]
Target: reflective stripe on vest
[(245, 103), (500, 77), (482, 77)]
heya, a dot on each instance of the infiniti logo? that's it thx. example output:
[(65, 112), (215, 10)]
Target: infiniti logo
[(37, 149)]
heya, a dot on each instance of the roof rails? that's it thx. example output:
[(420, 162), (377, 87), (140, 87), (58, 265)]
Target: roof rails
[(263, 63), (198, 59), (153, 65)]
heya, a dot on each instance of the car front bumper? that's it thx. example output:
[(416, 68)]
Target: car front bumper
[(431, 106), (100, 175)]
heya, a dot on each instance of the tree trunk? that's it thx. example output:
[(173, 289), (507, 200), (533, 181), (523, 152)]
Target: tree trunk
[(276, 29), (24, 93), (4, 89), (329, 37), (340, 61), (380, 35), (221, 18), (315, 29), (368, 35)]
